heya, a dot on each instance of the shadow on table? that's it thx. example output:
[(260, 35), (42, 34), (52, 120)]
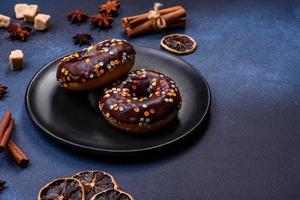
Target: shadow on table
[(168, 151)]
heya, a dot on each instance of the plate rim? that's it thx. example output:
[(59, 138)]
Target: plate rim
[(114, 151)]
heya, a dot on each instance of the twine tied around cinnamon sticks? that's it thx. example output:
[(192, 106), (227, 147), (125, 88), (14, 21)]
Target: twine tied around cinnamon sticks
[(154, 20), (157, 21)]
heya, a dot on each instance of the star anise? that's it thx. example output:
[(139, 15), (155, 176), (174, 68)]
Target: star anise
[(77, 16), (102, 20), (17, 31), (3, 90), (82, 39), (110, 7)]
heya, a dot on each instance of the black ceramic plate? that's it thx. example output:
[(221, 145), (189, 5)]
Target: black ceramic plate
[(74, 119)]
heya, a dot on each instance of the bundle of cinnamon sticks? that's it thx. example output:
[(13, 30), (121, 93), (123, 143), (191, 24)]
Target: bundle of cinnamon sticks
[(6, 129), (139, 24)]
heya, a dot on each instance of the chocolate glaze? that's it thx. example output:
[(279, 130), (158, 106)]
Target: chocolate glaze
[(142, 98), (94, 61)]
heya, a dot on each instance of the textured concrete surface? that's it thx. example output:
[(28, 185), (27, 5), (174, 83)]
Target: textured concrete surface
[(249, 51)]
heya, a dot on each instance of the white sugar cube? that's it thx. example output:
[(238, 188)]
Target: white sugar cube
[(4, 21), (19, 10), (30, 12), (42, 22), (16, 59)]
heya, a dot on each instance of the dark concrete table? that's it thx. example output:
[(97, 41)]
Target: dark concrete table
[(249, 51)]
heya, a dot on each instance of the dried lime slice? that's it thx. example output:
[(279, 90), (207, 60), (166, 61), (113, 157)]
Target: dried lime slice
[(178, 43), (95, 181), (62, 189), (112, 194)]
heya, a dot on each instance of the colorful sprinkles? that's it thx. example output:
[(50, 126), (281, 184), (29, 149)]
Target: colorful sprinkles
[(113, 53), (142, 97)]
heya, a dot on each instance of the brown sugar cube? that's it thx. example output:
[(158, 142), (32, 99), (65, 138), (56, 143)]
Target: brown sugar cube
[(4, 21), (19, 10), (16, 59), (42, 22), (30, 12)]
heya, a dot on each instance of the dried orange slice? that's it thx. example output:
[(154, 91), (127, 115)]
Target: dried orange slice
[(112, 194), (62, 189), (95, 181), (178, 43)]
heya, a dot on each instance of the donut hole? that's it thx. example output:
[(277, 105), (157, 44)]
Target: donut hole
[(142, 88)]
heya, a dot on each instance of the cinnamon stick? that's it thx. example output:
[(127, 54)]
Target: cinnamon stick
[(139, 19), (6, 136), (4, 123), (17, 154), (145, 15), (139, 24), (147, 26)]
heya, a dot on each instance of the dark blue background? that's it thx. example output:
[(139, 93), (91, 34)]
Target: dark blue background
[(249, 51)]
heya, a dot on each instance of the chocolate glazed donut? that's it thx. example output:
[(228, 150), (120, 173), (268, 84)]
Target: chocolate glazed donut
[(96, 65), (145, 100)]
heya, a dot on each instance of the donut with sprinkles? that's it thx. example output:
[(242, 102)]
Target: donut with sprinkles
[(143, 101), (96, 65)]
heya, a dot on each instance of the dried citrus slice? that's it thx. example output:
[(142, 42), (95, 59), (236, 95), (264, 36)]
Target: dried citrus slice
[(112, 194), (95, 181), (62, 189), (178, 43)]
